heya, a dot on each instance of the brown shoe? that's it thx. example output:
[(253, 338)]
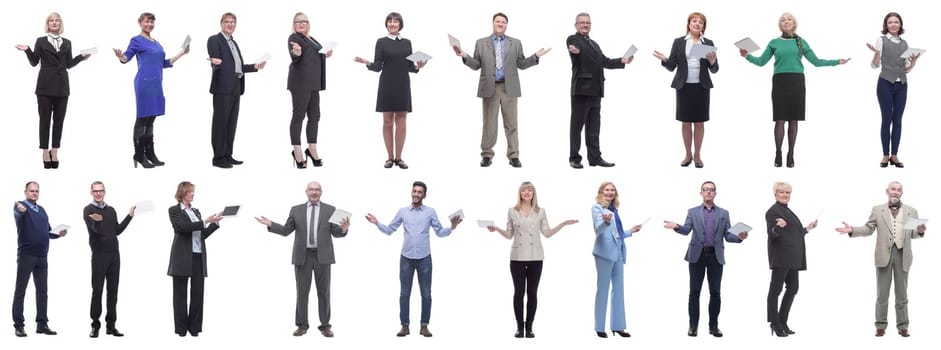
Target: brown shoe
[(300, 331), (904, 332), (424, 331), (403, 332), (326, 332), (880, 332)]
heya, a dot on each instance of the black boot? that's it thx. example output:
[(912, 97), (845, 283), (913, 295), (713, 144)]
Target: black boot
[(149, 151), (139, 154)]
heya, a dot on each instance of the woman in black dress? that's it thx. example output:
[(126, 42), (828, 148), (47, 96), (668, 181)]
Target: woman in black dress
[(395, 93), (54, 53)]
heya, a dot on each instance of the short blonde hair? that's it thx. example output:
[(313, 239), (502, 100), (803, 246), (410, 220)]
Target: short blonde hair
[(182, 189), (780, 186), (61, 24), (303, 17), (600, 197)]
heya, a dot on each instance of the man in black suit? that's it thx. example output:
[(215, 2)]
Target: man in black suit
[(588, 64), (312, 253), (103, 230), (228, 84)]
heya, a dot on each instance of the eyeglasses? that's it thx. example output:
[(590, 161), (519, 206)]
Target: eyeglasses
[(301, 22), (98, 191), (583, 22), (709, 189)]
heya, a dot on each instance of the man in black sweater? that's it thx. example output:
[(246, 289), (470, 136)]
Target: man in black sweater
[(103, 230)]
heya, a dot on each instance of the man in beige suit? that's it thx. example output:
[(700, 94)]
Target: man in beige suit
[(893, 254), (498, 57)]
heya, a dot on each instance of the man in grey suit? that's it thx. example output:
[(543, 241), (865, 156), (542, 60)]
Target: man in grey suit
[(706, 254), (498, 57), (893, 254), (313, 252)]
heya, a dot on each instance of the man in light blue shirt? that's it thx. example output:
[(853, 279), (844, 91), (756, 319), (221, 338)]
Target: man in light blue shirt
[(416, 252)]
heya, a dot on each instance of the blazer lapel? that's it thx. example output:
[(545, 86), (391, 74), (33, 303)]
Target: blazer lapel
[(886, 215), (699, 221)]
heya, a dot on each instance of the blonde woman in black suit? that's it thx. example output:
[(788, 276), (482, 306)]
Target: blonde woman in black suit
[(52, 86), (692, 84), (306, 78), (188, 259)]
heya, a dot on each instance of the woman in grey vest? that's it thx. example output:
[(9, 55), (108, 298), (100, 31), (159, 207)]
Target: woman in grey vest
[(892, 88)]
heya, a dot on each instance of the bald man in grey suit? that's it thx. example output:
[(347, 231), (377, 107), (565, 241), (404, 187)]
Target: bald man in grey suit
[(312, 253), (499, 86), (893, 254)]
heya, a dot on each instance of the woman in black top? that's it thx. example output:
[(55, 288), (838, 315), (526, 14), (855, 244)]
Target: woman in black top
[(52, 86), (306, 77), (395, 93)]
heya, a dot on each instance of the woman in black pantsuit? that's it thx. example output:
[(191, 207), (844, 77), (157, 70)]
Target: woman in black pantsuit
[(52, 87), (787, 256), (306, 78), (692, 84), (188, 259), (394, 100)]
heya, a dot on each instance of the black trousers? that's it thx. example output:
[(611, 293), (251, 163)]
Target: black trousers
[(708, 267), (321, 278), (225, 118), (303, 103), (51, 112), (38, 267), (191, 320), (526, 276), (586, 113), (104, 267), (779, 278)]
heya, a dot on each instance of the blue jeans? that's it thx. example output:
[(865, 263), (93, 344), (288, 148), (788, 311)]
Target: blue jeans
[(407, 268), (892, 97)]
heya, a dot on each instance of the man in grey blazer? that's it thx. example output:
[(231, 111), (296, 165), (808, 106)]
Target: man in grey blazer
[(893, 254), (313, 252), (706, 254), (498, 57)]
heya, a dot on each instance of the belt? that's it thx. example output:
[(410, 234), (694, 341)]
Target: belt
[(239, 75), (501, 81), (708, 249)]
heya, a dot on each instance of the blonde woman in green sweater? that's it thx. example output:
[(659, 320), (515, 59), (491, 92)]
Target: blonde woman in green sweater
[(787, 85)]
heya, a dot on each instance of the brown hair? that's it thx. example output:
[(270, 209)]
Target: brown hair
[(182, 189)]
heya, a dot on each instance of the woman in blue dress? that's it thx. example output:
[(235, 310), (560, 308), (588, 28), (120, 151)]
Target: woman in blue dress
[(148, 87)]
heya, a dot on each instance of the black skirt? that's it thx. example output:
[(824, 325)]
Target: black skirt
[(788, 96), (692, 103)]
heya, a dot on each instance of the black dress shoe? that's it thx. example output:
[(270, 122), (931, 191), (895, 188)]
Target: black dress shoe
[(602, 334), (699, 165), (602, 163), (114, 331), (221, 164), (790, 160), (788, 330), (715, 332), (485, 162), (234, 161), (529, 333), (896, 163), (93, 333), (19, 331), (519, 333), (621, 333), (576, 164), (194, 333), (686, 163), (44, 329), (777, 159), (692, 332), (515, 162)]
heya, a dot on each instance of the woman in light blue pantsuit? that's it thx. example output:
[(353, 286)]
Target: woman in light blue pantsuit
[(610, 257)]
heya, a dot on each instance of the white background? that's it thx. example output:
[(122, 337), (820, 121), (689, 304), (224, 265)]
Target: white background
[(250, 291)]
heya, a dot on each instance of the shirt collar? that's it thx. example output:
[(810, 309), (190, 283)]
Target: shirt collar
[(99, 206), (226, 36), (498, 38), (690, 37), (418, 208), (309, 204), (31, 205), (394, 37)]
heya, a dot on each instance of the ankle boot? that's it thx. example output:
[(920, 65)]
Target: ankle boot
[(149, 151), (139, 156)]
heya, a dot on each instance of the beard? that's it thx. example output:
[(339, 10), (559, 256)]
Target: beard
[(895, 202)]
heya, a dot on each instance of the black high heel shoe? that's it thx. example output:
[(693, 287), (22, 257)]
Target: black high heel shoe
[(602, 334), (300, 165), (315, 162), (884, 163), (777, 159), (621, 333), (788, 330), (778, 331), (790, 160), (896, 163), (46, 164)]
